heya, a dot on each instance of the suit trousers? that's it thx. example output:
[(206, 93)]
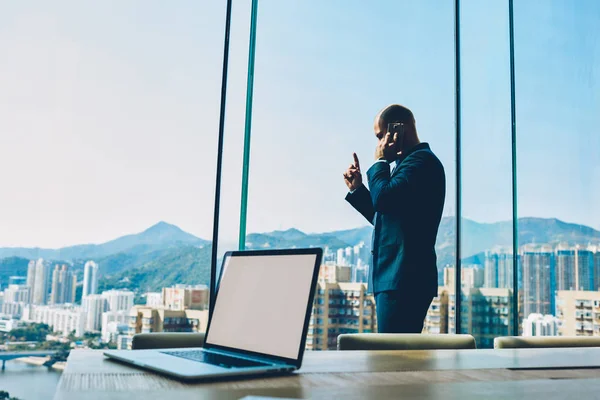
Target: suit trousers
[(401, 311)]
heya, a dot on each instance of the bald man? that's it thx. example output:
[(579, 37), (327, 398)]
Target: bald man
[(404, 203)]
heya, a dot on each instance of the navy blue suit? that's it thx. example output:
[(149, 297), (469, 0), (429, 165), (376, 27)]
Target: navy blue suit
[(405, 208)]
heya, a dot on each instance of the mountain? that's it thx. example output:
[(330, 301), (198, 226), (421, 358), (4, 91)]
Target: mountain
[(292, 238), (159, 236), (164, 255), (183, 265)]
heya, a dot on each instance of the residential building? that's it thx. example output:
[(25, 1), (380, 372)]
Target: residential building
[(124, 342), (335, 273), (90, 278), (143, 319), (7, 323), (596, 268), (62, 318), (64, 283), (578, 312), (485, 313), (38, 279), (339, 308), (118, 300), (436, 320), (498, 269), (575, 268), (94, 305), (538, 279), (540, 325), (15, 310), (154, 299), (182, 297), (113, 324), (17, 294)]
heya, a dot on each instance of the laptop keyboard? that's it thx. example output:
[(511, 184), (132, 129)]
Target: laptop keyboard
[(216, 359)]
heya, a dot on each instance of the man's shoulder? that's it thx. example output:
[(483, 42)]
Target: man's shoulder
[(426, 158)]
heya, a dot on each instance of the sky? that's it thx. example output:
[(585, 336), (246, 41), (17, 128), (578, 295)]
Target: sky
[(109, 111)]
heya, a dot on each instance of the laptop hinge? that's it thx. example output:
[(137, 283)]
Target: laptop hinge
[(245, 356)]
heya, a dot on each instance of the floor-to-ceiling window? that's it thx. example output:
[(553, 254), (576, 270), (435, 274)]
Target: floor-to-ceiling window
[(320, 79), (557, 64), (109, 115)]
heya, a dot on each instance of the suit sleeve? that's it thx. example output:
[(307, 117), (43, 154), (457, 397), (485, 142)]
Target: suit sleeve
[(360, 199), (388, 193)]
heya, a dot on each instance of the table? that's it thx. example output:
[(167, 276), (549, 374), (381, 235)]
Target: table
[(437, 374)]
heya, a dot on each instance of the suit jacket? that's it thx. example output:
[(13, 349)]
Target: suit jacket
[(405, 208)]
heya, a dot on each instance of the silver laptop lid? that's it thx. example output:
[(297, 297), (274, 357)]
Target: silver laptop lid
[(264, 302)]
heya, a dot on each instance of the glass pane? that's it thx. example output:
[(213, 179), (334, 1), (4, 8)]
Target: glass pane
[(318, 87), (486, 240), (108, 127), (558, 81)]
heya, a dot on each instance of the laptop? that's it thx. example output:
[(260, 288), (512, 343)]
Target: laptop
[(259, 322)]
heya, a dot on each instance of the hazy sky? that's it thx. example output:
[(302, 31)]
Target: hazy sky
[(109, 111)]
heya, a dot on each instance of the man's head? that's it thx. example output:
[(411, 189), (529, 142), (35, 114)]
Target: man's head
[(399, 114)]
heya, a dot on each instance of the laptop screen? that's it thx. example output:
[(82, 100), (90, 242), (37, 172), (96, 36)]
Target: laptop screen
[(261, 304)]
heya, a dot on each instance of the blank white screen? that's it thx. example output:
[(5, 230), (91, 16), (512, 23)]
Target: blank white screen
[(261, 304)]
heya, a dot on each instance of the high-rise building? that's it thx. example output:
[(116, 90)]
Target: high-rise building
[(17, 294), (94, 305), (41, 282), (596, 268), (578, 312), (340, 259), (64, 283), (349, 255), (498, 269), (90, 278), (339, 308), (575, 268), (118, 300), (584, 269), (565, 269), (538, 280), (182, 297), (31, 276), (540, 325), (486, 313)]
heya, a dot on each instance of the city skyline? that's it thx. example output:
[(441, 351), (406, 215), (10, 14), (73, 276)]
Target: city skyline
[(127, 119)]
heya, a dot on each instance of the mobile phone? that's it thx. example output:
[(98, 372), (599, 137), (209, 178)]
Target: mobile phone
[(397, 127)]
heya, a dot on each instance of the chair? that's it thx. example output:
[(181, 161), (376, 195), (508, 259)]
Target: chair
[(166, 340), (525, 342), (404, 341)]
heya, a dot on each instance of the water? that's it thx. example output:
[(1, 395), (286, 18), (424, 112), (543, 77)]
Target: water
[(28, 382)]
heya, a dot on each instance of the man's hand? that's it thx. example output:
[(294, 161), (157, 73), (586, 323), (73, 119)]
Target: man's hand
[(386, 148), (352, 176)]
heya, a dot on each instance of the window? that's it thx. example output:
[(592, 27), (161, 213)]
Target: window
[(301, 75), (555, 53), (108, 127)]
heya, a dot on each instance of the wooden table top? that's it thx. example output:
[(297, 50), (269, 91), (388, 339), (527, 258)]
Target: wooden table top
[(434, 374)]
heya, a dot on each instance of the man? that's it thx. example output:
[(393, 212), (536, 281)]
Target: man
[(405, 207)]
